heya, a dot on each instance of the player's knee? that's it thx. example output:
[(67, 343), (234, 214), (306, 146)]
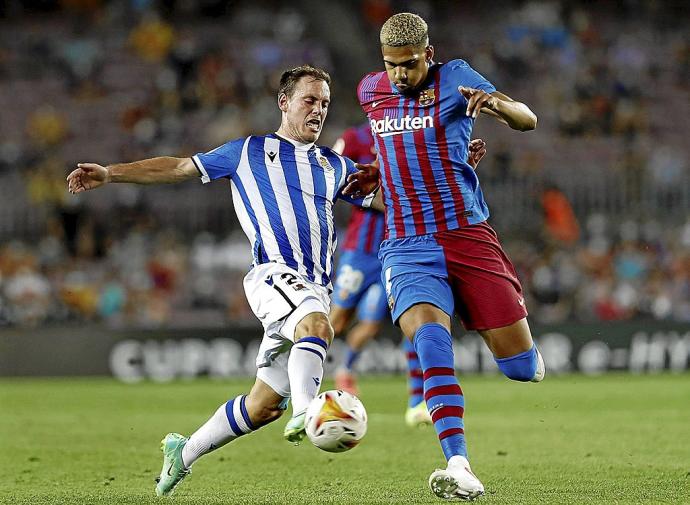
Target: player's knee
[(523, 367), (316, 326)]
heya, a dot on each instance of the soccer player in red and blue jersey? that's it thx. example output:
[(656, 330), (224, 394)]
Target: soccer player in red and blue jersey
[(440, 256)]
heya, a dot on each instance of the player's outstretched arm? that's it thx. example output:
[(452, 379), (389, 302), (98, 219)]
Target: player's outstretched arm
[(515, 114), (161, 170)]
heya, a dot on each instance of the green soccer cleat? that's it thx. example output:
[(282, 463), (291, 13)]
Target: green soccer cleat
[(173, 470), (418, 416), (294, 429)]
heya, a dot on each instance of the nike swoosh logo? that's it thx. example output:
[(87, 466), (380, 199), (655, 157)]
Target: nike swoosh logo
[(374, 104), (169, 468), (521, 301)]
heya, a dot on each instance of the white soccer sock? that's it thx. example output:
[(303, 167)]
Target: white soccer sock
[(229, 422), (305, 371)]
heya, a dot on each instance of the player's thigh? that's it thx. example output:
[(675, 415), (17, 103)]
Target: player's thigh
[(509, 340), (486, 289), (415, 279), (283, 299)]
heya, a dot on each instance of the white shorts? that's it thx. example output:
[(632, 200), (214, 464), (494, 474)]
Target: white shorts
[(280, 298)]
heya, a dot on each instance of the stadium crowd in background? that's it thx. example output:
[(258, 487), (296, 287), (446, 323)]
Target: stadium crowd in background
[(124, 80), (152, 277)]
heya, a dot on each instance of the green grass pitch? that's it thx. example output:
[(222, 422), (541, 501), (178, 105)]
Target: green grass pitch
[(571, 439)]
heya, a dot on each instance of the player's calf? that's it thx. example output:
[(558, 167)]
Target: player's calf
[(526, 366)]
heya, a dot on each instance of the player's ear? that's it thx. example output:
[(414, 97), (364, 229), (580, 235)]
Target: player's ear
[(429, 53), (282, 102)]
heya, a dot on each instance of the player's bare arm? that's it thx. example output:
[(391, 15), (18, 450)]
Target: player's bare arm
[(510, 112), (160, 170)]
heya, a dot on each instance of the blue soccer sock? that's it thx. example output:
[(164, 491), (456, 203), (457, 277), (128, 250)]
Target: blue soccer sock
[(415, 380), (521, 367), (230, 421), (442, 393), (351, 357)]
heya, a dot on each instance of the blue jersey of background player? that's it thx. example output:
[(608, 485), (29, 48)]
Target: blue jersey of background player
[(358, 286), (358, 276), (359, 265)]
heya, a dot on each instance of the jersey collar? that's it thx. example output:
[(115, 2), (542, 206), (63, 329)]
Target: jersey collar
[(298, 145)]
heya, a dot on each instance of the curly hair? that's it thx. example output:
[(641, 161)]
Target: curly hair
[(404, 29)]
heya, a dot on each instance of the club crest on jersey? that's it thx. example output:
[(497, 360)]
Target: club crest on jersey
[(324, 163), (427, 97)]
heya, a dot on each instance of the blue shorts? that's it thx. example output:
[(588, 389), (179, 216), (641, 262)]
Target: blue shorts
[(463, 271), (358, 283)]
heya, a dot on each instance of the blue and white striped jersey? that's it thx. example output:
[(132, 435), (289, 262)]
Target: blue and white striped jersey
[(283, 193)]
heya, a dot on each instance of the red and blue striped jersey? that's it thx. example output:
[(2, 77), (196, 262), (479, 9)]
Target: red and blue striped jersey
[(422, 140), (365, 229)]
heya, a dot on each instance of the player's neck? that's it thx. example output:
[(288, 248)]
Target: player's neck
[(288, 138)]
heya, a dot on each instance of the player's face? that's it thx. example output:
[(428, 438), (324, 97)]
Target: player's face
[(407, 66), (305, 111)]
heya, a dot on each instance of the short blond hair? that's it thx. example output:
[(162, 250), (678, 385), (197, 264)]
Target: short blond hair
[(404, 29)]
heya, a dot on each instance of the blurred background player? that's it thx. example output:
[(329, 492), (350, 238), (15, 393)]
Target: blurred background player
[(358, 281), (358, 286), (283, 189), (440, 256)]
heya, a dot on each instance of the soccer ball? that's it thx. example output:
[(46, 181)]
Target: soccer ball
[(335, 421)]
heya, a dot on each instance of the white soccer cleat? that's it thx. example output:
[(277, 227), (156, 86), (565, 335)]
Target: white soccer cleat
[(418, 416), (456, 482), (541, 369)]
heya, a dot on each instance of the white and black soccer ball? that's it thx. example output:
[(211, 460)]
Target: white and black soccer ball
[(336, 421)]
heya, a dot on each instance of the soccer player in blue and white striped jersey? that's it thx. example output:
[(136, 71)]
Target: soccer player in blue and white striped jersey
[(283, 189)]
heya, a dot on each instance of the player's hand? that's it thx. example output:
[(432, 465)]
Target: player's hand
[(87, 176), (475, 153), (477, 100), (365, 181)]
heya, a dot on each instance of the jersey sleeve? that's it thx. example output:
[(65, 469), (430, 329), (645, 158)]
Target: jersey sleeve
[(463, 75), (220, 162), (363, 201)]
